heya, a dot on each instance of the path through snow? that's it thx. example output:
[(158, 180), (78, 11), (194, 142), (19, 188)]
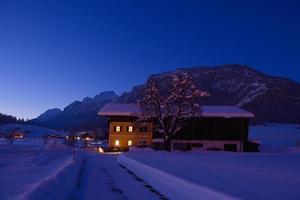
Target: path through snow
[(97, 176)]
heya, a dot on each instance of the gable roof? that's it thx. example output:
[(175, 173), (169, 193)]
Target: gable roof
[(224, 111), (117, 109)]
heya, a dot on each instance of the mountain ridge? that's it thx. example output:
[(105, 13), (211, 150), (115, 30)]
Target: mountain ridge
[(270, 98), (78, 115), (238, 85)]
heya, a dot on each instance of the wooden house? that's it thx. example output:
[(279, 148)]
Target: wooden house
[(217, 128), (124, 128)]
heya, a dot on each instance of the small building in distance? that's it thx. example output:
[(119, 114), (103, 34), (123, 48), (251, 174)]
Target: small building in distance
[(124, 128), (222, 128), (15, 135)]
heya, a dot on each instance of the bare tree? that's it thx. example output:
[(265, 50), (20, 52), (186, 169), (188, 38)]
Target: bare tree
[(170, 109)]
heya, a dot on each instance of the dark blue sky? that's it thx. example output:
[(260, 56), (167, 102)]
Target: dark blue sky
[(55, 52)]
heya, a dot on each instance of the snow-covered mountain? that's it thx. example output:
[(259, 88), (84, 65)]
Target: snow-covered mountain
[(79, 115), (270, 98)]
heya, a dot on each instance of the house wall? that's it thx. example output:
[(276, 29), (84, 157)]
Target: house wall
[(213, 133), (209, 144), (213, 128), (124, 136)]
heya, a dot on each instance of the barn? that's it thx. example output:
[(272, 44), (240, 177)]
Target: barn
[(218, 128)]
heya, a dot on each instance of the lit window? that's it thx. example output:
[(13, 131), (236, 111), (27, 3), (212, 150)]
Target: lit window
[(130, 129), (129, 142), (117, 142), (118, 128)]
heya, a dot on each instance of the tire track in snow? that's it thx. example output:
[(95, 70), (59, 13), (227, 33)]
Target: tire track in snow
[(112, 184), (146, 185)]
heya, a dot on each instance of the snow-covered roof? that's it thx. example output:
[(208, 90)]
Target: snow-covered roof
[(118, 109), (224, 111)]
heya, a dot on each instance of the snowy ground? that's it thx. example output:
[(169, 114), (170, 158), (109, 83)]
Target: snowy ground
[(29, 170), (22, 167), (239, 175), (93, 176), (276, 137), (273, 173)]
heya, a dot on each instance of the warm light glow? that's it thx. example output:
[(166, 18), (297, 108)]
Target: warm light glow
[(100, 150), (129, 142), (118, 128), (117, 142), (130, 129), (18, 136), (78, 138)]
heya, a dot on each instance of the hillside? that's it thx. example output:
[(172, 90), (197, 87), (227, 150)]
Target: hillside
[(79, 115), (271, 99), (30, 131)]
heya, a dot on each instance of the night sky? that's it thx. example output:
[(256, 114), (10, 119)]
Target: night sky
[(55, 52)]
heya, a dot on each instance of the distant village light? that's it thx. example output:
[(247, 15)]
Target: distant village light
[(117, 142)]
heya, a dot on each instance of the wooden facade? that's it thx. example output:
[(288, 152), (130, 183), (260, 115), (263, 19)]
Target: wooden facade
[(215, 128), (213, 133), (126, 131), (218, 128)]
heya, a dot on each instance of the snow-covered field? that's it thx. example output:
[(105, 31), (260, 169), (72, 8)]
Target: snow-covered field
[(32, 170), (239, 175), (272, 174), (276, 137), (24, 166)]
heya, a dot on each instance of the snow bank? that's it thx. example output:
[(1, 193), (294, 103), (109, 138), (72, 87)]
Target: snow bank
[(41, 183), (59, 185), (170, 186), (276, 137), (22, 167), (242, 175)]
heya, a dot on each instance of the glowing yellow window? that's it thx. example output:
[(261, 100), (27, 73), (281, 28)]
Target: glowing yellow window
[(130, 129), (118, 128), (117, 142), (129, 142)]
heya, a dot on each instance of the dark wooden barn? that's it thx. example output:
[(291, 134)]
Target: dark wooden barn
[(219, 128)]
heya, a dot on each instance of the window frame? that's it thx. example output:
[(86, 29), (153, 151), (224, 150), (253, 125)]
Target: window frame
[(128, 129), (118, 131), (143, 129)]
